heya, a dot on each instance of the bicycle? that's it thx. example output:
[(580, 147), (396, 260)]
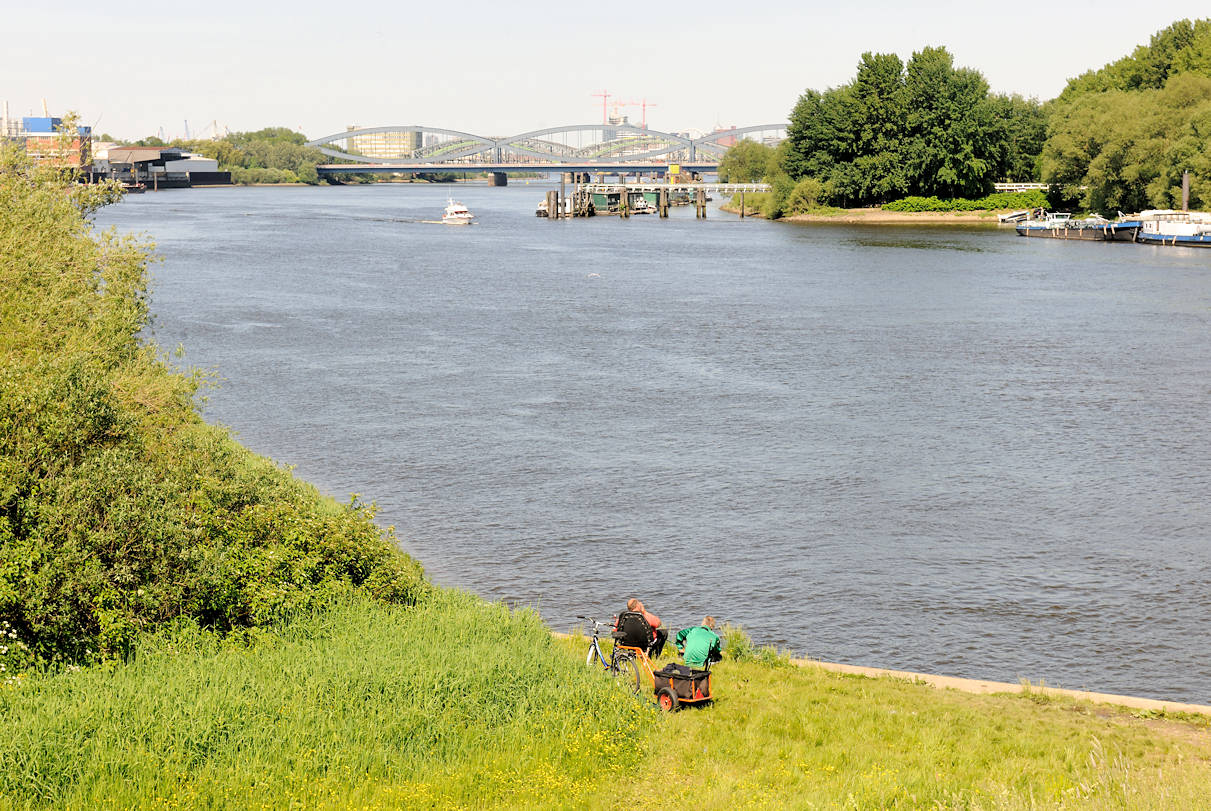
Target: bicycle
[(621, 664)]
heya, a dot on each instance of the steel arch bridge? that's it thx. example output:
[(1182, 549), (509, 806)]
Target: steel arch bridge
[(574, 147)]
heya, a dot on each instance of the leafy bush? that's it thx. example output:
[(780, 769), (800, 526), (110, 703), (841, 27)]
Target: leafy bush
[(775, 205), (250, 176), (1025, 199), (120, 509)]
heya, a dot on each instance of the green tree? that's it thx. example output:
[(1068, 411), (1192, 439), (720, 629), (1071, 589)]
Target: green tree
[(952, 141), (120, 508), (1120, 138), (925, 128), (746, 161)]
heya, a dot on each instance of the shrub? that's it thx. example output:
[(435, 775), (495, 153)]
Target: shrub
[(120, 509), (781, 188), (807, 196), (1026, 199), (252, 176)]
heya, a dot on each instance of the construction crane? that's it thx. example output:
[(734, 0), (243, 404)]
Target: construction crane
[(604, 95), (645, 104)]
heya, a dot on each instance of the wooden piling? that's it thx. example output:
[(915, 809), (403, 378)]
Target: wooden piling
[(662, 204), (700, 204), (742, 205)]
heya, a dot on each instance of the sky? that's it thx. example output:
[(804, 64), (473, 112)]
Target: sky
[(501, 68)]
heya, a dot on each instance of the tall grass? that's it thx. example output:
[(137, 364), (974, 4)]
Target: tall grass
[(459, 704), (454, 703)]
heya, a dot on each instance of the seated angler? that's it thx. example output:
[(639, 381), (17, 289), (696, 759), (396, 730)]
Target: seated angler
[(699, 644), (659, 635)]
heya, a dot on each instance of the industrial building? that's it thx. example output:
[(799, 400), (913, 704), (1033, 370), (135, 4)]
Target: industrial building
[(42, 140), (157, 167)]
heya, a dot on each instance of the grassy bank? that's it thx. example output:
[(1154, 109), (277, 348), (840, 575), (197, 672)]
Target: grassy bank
[(456, 703)]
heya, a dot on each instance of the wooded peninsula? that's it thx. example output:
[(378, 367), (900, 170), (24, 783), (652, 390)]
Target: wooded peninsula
[(926, 132)]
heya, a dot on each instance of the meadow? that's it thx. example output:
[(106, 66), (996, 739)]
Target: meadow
[(458, 703)]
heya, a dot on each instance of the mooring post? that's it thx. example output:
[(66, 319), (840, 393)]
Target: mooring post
[(700, 204), (1185, 191), (662, 203), (742, 204), (552, 204)]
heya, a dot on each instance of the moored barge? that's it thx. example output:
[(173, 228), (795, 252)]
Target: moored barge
[(1191, 229), (1061, 226)]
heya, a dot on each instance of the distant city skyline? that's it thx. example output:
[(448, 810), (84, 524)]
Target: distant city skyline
[(131, 69)]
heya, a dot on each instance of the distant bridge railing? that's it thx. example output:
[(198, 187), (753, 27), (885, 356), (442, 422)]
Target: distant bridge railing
[(1002, 187), (620, 142)]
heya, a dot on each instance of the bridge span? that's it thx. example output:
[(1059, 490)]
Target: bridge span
[(601, 148), (613, 168)]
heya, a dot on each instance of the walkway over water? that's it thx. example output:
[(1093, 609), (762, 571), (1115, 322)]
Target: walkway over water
[(718, 188)]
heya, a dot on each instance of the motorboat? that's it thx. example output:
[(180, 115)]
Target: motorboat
[(456, 213)]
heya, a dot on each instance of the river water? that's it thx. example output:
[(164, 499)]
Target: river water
[(939, 449)]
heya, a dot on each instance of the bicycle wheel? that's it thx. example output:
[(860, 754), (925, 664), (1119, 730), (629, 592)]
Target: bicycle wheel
[(626, 670), (594, 655)]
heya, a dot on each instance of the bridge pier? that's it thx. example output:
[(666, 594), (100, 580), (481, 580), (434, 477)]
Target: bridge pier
[(498, 178)]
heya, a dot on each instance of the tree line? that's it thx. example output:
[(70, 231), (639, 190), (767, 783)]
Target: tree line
[(1116, 138), (270, 155)]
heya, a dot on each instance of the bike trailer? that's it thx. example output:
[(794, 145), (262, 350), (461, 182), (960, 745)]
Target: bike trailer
[(681, 684)]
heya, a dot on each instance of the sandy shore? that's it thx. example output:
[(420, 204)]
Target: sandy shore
[(982, 686), (877, 216)]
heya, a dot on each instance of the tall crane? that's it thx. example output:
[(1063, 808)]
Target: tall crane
[(644, 105), (604, 95)]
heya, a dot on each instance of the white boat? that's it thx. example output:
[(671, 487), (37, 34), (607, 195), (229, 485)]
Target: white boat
[(565, 206), (1168, 227), (456, 213)]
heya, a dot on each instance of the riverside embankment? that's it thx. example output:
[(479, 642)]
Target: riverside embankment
[(878, 216)]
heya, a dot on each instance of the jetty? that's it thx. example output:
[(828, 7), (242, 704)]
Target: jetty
[(626, 199)]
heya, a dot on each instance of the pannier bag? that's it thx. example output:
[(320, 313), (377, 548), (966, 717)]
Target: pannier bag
[(689, 684)]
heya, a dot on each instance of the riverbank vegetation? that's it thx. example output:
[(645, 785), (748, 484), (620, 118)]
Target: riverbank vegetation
[(912, 133), (120, 509), (1121, 137), (276, 155)]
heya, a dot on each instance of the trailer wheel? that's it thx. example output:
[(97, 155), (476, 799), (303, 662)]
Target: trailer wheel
[(666, 700)]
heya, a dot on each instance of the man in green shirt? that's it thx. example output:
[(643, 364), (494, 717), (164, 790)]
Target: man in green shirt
[(699, 644)]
